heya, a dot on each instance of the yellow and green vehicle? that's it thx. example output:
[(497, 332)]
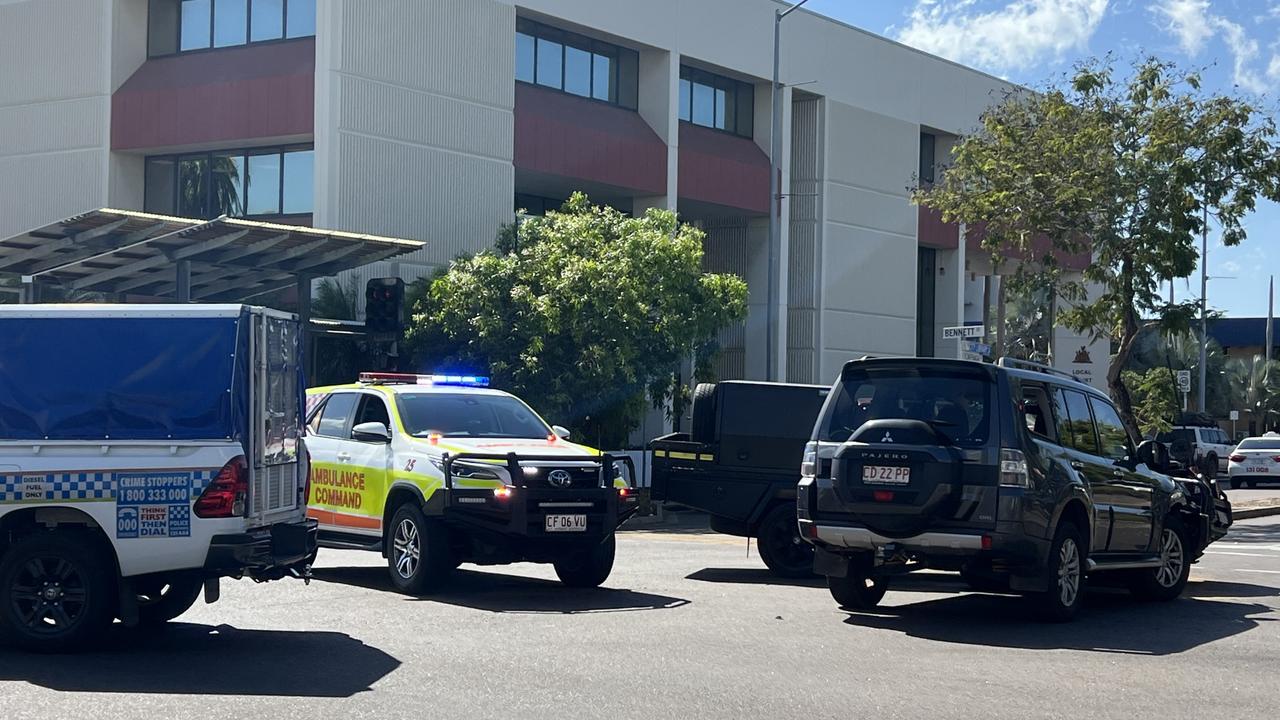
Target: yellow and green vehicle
[(434, 471)]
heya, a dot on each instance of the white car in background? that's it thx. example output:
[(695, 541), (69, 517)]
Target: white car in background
[(1255, 460)]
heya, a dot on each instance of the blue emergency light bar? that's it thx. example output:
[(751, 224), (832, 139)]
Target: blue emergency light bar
[(388, 378), (463, 380)]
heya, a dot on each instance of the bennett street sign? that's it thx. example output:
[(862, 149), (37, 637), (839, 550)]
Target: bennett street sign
[(963, 331)]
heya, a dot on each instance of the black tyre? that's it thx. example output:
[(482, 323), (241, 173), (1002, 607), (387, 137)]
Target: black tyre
[(1167, 581), (588, 568), (703, 427), (57, 591), (162, 599), (1066, 571), (783, 550), (858, 590), (417, 551)]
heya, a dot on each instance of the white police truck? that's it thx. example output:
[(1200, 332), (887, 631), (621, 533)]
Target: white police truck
[(145, 452)]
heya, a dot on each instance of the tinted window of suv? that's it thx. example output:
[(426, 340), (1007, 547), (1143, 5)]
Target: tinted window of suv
[(1115, 439), (1075, 424), (954, 401)]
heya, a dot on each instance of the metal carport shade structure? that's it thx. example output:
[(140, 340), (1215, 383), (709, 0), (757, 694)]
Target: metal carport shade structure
[(221, 260), (224, 260)]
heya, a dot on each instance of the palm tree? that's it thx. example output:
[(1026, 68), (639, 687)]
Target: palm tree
[(333, 301), (1255, 388), (338, 359)]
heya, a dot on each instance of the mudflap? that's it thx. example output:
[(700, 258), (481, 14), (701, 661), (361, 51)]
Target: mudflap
[(830, 564)]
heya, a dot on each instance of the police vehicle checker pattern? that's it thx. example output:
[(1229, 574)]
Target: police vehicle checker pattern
[(434, 471)]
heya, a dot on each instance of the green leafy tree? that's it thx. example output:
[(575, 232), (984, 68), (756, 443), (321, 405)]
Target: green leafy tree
[(1124, 170), (1155, 399), (581, 313)]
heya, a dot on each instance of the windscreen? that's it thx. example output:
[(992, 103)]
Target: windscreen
[(954, 401), (469, 415), (1259, 444)]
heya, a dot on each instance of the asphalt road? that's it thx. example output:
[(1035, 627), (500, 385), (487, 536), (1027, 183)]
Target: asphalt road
[(690, 625)]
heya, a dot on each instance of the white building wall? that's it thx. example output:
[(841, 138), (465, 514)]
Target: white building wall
[(54, 108), (414, 128), (878, 94)]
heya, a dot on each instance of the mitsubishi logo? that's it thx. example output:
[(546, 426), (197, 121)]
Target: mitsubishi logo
[(560, 478), (887, 437)]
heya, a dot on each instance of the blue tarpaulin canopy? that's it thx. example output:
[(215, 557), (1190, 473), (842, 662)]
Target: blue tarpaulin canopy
[(123, 372)]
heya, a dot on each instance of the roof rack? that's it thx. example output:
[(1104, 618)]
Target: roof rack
[(1009, 362)]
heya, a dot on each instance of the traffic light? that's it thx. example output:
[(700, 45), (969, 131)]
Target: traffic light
[(383, 303)]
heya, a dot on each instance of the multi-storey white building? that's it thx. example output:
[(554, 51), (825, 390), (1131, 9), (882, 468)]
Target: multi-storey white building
[(436, 119)]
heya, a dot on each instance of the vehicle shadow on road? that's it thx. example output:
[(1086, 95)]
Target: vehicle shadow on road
[(191, 659), (752, 576), (1110, 622), (502, 593)]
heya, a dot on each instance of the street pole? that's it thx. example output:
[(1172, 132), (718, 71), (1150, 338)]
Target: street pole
[(961, 248), (775, 199), (1204, 319), (1271, 318)]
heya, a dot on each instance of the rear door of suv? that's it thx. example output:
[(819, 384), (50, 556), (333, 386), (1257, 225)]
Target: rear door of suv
[(1132, 493), (1080, 438)]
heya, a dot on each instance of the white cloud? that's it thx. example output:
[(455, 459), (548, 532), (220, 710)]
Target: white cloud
[(1232, 267), (1191, 22), (1188, 21), (1016, 35)]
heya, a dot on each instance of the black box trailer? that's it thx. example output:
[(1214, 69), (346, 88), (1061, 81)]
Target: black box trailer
[(740, 464)]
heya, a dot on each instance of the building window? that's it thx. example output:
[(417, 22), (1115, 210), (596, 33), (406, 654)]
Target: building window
[(576, 64), (188, 25), (257, 182), (928, 147), (716, 101)]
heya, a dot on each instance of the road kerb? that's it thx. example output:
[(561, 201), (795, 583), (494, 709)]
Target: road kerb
[(1246, 513)]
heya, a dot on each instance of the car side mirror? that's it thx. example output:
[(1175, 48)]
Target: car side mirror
[(561, 431), (371, 432)]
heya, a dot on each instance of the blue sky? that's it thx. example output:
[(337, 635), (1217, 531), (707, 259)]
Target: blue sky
[(1237, 42)]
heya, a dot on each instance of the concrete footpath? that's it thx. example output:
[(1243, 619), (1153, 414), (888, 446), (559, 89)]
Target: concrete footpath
[(1251, 503)]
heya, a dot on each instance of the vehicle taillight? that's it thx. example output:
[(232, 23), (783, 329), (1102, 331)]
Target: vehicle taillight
[(1237, 458), (226, 496), (809, 464), (1276, 458), (1013, 469)]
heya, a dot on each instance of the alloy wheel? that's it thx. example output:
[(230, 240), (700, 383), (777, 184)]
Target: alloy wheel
[(1171, 559), (49, 594), (1068, 572), (407, 548)]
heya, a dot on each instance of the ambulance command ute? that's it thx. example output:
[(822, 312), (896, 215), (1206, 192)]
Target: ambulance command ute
[(145, 452), (435, 470)]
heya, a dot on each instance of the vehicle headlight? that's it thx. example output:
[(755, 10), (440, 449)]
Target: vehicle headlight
[(470, 471)]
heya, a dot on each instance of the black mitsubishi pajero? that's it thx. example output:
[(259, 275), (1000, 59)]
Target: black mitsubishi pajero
[(1020, 478)]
